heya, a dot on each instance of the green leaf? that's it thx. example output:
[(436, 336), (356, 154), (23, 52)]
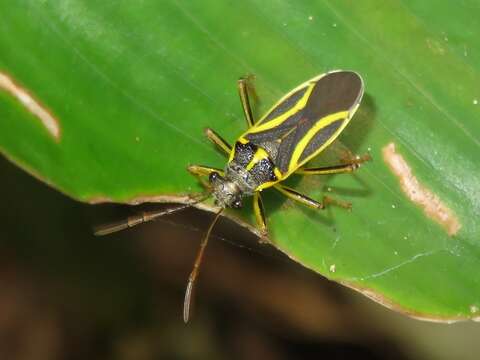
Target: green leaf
[(131, 85)]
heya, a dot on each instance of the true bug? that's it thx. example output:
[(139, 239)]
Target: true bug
[(296, 129)]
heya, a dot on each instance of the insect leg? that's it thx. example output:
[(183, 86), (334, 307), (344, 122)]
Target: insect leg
[(327, 200), (219, 141), (199, 171), (295, 195), (243, 92), (351, 166), (259, 212), (337, 169), (305, 200)]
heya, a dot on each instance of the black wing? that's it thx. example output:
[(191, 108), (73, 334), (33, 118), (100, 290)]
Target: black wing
[(307, 119)]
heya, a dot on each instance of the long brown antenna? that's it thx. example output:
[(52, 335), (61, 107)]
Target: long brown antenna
[(142, 218), (196, 268)]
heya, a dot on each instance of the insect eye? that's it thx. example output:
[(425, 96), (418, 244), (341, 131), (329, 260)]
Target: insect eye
[(213, 176)]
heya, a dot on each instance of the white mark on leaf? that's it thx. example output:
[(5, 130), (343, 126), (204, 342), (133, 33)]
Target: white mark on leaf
[(31, 104), (431, 204), (334, 245)]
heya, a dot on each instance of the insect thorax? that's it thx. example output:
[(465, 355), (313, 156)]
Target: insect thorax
[(250, 167), (249, 170), (240, 176)]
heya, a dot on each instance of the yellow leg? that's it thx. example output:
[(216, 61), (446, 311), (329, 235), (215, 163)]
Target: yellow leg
[(295, 195), (219, 141), (243, 92), (305, 200), (259, 212), (352, 165), (200, 171)]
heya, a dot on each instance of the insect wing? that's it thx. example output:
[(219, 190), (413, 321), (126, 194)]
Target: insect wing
[(308, 119)]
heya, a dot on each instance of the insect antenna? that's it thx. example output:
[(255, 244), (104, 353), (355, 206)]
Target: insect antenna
[(142, 218), (196, 268)]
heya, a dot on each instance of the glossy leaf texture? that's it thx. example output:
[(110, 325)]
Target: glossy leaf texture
[(131, 86)]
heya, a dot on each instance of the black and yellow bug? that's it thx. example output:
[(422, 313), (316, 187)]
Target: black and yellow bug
[(295, 130)]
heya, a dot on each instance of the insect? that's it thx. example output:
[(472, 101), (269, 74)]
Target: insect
[(295, 130)]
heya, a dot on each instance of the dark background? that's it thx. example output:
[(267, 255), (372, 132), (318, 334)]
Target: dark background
[(66, 294)]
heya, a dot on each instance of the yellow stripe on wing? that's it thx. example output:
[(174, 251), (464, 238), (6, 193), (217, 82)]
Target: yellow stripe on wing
[(320, 124), (260, 126)]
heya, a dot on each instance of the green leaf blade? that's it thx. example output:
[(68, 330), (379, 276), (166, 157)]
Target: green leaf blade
[(133, 86)]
